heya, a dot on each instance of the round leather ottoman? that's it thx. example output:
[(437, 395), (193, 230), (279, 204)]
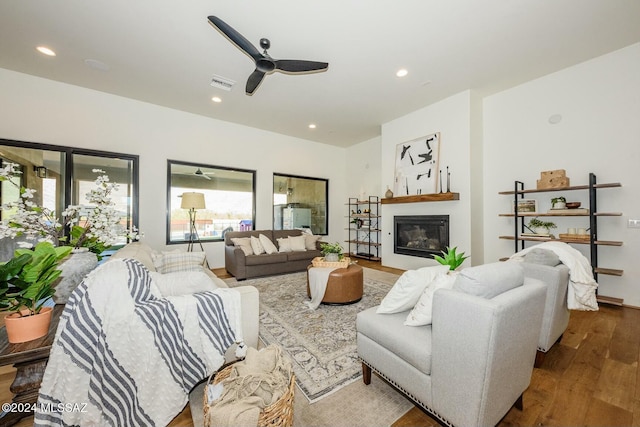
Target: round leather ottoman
[(345, 285)]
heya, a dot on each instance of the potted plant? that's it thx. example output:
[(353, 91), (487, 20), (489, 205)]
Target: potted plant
[(540, 227), (26, 283), (451, 258), (558, 203), (332, 251)]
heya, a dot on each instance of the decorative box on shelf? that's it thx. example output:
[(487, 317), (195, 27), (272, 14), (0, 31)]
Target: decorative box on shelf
[(320, 262)]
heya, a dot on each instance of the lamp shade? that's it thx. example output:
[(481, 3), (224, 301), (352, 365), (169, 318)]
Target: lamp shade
[(192, 201)]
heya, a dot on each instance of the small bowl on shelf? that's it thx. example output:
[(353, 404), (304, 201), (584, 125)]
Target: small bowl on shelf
[(573, 205)]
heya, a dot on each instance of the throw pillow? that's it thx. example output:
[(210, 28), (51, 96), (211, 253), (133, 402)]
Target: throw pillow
[(267, 244), (406, 292), (297, 243), (243, 243), (256, 246), (423, 310), (542, 256), (489, 280), (181, 261), (310, 241), (182, 283), (284, 245)]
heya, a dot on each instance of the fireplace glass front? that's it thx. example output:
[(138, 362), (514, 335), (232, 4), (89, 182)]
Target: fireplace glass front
[(421, 235)]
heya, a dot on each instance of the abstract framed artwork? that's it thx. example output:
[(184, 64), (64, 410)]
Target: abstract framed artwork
[(416, 167)]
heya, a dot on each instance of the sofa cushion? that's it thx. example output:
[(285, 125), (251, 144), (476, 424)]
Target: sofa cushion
[(171, 262), (256, 246), (182, 282), (412, 345), (138, 251), (296, 256), (284, 244), (406, 292), (265, 259), (243, 243), (267, 244), (310, 241), (542, 256), (297, 243), (489, 280)]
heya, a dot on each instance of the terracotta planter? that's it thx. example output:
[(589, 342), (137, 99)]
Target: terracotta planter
[(22, 329)]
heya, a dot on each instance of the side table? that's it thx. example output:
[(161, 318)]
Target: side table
[(30, 360)]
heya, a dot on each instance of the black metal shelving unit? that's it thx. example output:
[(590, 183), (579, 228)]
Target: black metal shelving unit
[(364, 228)]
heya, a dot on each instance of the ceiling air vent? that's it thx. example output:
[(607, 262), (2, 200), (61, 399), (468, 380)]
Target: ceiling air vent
[(222, 82)]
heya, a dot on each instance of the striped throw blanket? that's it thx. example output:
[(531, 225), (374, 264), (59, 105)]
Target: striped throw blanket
[(125, 356)]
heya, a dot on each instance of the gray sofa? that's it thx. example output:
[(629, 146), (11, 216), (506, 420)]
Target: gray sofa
[(475, 360), (244, 266)]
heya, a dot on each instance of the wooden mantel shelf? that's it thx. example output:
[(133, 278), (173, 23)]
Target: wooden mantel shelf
[(419, 198)]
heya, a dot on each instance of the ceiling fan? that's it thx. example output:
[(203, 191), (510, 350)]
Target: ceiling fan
[(205, 175), (265, 64)]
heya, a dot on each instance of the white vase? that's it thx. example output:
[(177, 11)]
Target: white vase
[(541, 230), (332, 257)]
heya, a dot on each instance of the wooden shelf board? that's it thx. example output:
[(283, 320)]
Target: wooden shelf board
[(360, 242), (574, 187), (545, 214), (609, 300), (548, 239), (418, 198), (608, 214), (609, 271), (371, 257)]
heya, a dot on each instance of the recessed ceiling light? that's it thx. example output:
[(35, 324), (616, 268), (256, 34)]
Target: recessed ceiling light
[(312, 126), (216, 99), (402, 72), (45, 51)]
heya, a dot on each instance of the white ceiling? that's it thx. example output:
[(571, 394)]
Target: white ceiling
[(165, 52)]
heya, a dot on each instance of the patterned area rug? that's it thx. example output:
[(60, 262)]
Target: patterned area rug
[(321, 343)]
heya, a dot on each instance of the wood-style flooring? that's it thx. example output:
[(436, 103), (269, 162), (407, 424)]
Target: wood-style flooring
[(588, 379)]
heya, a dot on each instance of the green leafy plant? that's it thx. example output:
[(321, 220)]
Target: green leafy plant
[(26, 280), (536, 223), (451, 258), (332, 248), (558, 200)]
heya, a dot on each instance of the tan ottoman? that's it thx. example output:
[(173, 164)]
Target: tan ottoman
[(345, 285)]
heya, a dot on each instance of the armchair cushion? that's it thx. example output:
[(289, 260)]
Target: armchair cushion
[(182, 282), (413, 345), (489, 280), (543, 257), (422, 313), (406, 292), (174, 261)]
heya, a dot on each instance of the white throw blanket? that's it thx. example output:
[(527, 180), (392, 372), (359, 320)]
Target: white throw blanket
[(318, 278), (581, 294), (125, 356)]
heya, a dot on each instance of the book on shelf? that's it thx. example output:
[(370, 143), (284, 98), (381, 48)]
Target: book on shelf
[(577, 211)]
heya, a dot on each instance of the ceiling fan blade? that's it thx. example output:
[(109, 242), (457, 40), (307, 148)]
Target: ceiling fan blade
[(254, 81), (295, 66), (235, 37)]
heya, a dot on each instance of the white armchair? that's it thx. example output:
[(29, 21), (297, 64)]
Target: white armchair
[(475, 361)]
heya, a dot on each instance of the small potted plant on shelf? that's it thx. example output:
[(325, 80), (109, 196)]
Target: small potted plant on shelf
[(332, 252), (26, 283), (540, 227), (558, 203), (451, 258)]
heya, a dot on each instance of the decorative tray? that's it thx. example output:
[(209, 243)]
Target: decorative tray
[(320, 262), (575, 236)]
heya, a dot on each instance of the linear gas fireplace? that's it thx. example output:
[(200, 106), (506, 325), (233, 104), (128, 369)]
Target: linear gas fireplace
[(420, 235)]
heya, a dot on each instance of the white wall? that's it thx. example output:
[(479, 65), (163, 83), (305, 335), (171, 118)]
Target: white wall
[(363, 162), (452, 118), (599, 101), (38, 110)]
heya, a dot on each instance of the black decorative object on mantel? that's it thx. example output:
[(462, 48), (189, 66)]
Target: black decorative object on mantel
[(448, 180), (440, 180)]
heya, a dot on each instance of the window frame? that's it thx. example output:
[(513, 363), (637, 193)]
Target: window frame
[(69, 152), (170, 162), (311, 178)]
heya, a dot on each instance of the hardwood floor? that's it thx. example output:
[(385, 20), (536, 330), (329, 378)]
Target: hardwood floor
[(588, 379)]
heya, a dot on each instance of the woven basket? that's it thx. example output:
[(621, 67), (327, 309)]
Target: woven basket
[(278, 414), (320, 262)]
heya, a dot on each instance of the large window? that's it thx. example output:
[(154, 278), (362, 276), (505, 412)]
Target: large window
[(229, 200), (62, 176), (300, 202)]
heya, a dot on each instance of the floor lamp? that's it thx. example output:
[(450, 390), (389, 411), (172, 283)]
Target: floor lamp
[(193, 201)]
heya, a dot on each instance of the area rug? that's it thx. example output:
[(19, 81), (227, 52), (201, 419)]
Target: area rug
[(321, 343)]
